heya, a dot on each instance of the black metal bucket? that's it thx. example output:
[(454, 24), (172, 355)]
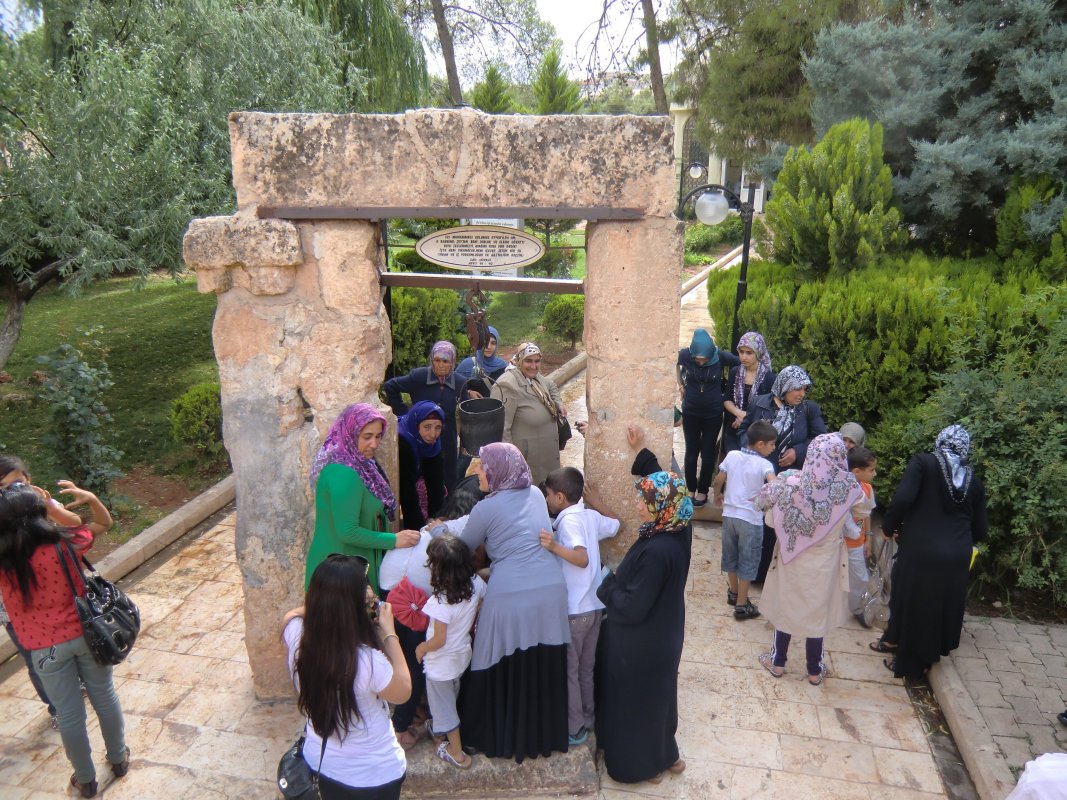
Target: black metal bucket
[(481, 422)]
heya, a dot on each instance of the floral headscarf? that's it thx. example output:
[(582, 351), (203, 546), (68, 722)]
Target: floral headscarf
[(806, 507), (790, 378), (668, 501), (341, 447), (504, 467), (407, 428), (951, 448), (754, 341), (443, 349)]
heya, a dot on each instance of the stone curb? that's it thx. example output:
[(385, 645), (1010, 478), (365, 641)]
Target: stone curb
[(693, 282), (132, 554), (987, 767)]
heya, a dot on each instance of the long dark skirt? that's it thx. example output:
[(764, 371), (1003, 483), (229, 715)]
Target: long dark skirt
[(518, 707)]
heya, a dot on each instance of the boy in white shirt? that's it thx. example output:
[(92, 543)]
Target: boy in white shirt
[(744, 472), (578, 529)]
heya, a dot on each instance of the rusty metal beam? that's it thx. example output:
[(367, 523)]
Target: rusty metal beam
[(489, 283), (446, 212)]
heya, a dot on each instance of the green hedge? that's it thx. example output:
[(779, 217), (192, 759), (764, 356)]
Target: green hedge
[(907, 346), (873, 340)]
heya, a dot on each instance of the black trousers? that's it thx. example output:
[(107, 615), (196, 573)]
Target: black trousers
[(404, 714), (701, 441), (332, 790)]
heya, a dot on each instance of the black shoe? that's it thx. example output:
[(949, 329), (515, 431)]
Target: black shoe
[(1062, 717), (700, 503), (731, 598), (122, 768), (746, 611), (85, 789)]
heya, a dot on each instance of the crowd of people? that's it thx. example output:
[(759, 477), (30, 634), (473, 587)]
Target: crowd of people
[(472, 607)]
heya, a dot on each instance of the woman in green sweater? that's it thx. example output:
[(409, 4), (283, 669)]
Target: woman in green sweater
[(353, 502)]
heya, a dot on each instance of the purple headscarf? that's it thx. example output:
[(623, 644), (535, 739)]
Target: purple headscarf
[(504, 466), (807, 506), (444, 349), (341, 446), (753, 341), (407, 427)]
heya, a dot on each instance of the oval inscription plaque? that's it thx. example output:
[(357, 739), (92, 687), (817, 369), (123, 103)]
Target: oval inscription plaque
[(480, 247)]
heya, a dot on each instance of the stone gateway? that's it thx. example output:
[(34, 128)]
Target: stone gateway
[(301, 332)]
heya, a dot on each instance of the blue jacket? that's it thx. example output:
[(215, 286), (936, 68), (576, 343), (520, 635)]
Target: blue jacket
[(809, 424)]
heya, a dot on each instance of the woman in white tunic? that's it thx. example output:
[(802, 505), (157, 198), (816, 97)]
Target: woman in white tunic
[(806, 591)]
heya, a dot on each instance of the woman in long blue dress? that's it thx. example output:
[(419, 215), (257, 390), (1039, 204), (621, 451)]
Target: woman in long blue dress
[(514, 699)]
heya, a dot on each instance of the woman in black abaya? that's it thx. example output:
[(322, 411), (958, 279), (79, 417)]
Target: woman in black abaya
[(939, 514), (644, 624)]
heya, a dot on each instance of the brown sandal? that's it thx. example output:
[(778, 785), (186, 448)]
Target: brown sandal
[(881, 646)]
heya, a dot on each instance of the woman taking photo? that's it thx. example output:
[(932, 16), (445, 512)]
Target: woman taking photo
[(40, 602), (422, 484), (699, 372), (514, 700), (353, 502), (797, 420), (346, 669), (937, 515), (644, 627), (439, 384), (532, 409), (489, 366), (748, 381)]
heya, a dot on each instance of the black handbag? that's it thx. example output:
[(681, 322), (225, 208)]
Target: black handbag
[(564, 427), (296, 781), (110, 620)]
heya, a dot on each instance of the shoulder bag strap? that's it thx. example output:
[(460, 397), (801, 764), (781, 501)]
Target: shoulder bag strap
[(66, 569)]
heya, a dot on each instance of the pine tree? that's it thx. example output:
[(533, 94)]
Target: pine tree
[(554, 91), (971, 94), (492, 95), (832, 208)]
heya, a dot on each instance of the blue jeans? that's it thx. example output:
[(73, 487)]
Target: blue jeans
[(59, 667), (34, 678)]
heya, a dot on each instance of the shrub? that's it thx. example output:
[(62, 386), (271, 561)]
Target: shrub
[(1015, 408), (832, 209), (873, 340), (421, 317), (564, 317), (1032, 226), (74, 392), (196, 419)]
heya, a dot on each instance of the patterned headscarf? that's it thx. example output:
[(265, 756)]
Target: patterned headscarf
[(504, 467), (341, 447), (754, 341), (806, 507), (407, 428), (668, 501), (952, 447), (790, 378), (443, 349), (526, 349)]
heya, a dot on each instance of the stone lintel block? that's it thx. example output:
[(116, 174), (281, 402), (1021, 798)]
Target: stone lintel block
[(268, 250), (443, 157), (213, 281)]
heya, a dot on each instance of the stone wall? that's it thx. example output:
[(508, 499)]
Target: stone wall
[(301, 332)]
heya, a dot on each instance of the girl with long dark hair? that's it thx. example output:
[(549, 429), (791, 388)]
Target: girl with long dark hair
[(40, 603), (347, 668)]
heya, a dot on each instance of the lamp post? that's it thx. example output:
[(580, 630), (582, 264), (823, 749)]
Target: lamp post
[(711, 203)]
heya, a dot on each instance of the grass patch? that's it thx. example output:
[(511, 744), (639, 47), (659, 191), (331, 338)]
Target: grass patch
[(158, 343), (575, 239)]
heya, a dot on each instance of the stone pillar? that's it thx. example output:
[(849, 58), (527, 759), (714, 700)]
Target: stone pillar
[(632, 313), (300, 333)]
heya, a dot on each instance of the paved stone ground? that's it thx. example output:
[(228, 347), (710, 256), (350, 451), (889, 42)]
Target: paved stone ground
[(1016, 673)]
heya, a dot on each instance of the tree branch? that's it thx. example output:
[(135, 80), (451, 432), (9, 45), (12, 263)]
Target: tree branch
[(29, 130), (48, 273)]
